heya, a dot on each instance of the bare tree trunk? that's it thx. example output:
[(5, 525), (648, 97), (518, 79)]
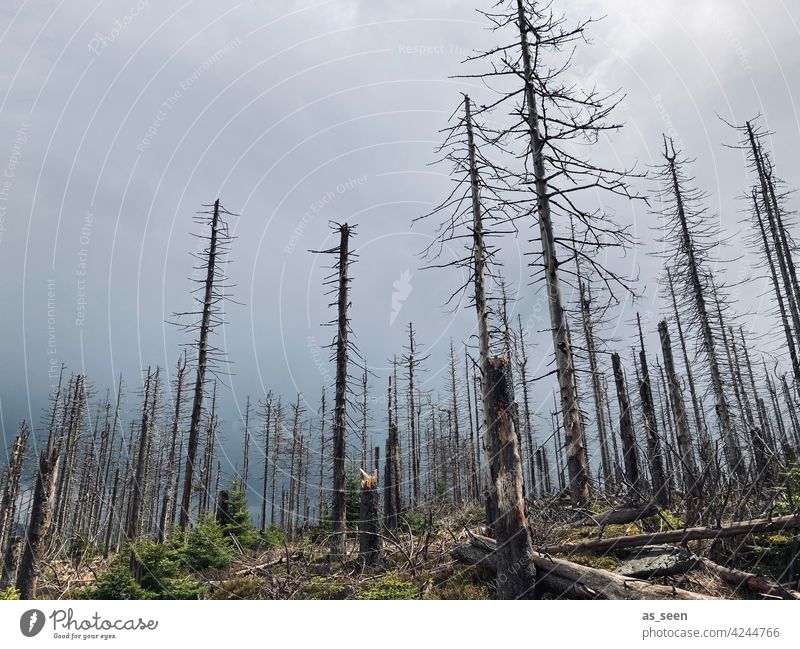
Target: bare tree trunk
[(132, 525), (505, 497), (654, 453), (733, 453), (39, 524), (13, 481), (339, 526), (202, 362), (577, 458), (391, 498), (516, 572), (265, 483), (473, 466), (629, 454), (276, 458), (691, 480), (166, 513), (523, 377), (246, 450)]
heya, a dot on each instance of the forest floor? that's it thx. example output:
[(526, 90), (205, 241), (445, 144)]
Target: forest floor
[(421, 562)]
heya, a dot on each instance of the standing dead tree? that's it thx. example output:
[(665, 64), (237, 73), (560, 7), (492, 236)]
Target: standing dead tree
[(691, 238), (466, 212), (692, 491), (39, 522), (391, 474), (655, 455), (630, 458), (167, 514), (11, 491), (339, 281), (771, 235), (553, 115), (213, 286)]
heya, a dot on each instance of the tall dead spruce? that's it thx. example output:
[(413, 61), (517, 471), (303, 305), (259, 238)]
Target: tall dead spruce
[(691, 241), (339, 283), (212, 286), (467, 211)]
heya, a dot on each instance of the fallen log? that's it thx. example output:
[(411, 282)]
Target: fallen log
[(756, 583), (571, 580), (739, 528), (621, 515)]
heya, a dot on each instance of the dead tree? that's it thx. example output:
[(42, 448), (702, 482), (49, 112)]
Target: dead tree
[(213, 285), (552, 114), (265, 481), (691, 240), (364, 436), (322, 422), (340, 282), (166, 516), (630, 457), (704, 443), (39, 522), (505, 501), (691, 480), (136, 503), (391, 479), (522, 364), (473, 446), (411, 360), (654, 453), (585, 296), (246, 449), (11, 488), (276, 454)]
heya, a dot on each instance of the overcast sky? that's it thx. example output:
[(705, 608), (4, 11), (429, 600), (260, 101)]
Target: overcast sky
[(119, 120)]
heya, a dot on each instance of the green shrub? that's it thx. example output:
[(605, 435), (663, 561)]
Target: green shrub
[(207, 547), (79, 549), (116, 583), (163, 572), (326, 590), (9, 593), (271, 538), (239, 524), (241, 588), (390, 587), (417, 522), (162, 575), (788, 500)]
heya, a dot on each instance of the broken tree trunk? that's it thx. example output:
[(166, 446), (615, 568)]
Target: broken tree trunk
[(623, 515), (369, 532), (738, 528), (571, 580), (756, 583), (516, 573), (629, 455)]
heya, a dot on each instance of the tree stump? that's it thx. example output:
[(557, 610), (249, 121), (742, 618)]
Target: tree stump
[(369, 531)]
